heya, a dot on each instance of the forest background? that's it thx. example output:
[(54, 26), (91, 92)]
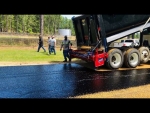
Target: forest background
[(30, 24), (23, 30)]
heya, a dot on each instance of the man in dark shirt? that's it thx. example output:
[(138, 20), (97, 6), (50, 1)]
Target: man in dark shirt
[(41, 44)]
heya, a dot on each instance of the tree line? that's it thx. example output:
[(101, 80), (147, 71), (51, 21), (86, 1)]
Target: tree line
[(31, 24)]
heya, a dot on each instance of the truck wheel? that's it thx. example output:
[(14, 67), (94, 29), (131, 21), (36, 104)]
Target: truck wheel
[(115, 59), (144, 52), (132, 58)]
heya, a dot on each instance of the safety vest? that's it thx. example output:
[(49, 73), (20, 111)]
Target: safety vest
[(65, 44)]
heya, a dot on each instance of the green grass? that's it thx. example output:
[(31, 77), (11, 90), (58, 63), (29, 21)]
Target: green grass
[(24, 54)]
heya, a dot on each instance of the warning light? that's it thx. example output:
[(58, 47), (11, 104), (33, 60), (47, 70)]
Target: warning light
[(99, 28)]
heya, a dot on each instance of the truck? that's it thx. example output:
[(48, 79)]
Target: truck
[(95, 33), (126, 42)]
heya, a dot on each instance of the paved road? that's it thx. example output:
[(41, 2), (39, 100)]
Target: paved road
[(64, 80)]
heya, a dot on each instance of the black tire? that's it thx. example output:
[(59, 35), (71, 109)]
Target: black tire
[(144, 53), (124, 52), (115, 59), (132, 58)]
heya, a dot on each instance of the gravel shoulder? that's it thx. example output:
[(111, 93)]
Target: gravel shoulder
[(133, 92)]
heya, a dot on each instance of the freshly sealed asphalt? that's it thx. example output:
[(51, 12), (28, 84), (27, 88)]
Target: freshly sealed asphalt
[(64, 80)]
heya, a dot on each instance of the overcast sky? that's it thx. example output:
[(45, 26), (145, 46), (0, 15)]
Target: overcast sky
[(69, 16)]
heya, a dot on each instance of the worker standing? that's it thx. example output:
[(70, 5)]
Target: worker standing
[(66, 45)]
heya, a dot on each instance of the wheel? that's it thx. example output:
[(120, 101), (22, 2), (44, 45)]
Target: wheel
[(144, 53), (115, 59), (132, 58)]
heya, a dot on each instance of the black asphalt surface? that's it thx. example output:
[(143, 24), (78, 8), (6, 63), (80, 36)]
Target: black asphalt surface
[(64, 80)]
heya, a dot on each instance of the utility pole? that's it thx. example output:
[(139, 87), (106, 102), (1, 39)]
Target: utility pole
[(41, 24)]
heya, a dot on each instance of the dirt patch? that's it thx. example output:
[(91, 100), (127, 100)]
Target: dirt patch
[(2, 64), (22, 63)]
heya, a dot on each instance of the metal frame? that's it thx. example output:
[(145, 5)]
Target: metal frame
[(126, 33)]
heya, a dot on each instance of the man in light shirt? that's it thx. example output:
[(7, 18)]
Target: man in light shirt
[(53, 45)]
